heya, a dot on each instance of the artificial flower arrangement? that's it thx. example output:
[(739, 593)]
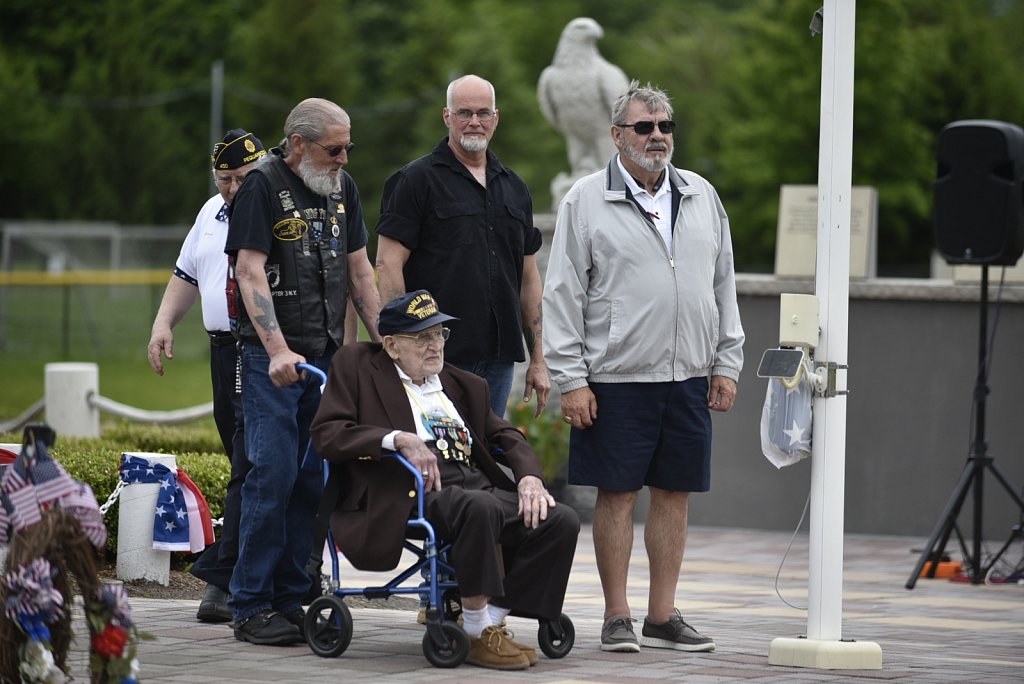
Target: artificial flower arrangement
[(34, 604), (114, 636), (53, 529)]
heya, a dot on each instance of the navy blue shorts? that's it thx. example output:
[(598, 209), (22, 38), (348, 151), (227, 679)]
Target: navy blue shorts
[(646, 433)]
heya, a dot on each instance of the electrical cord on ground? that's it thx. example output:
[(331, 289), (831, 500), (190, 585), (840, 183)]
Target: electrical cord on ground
[(789, 546)]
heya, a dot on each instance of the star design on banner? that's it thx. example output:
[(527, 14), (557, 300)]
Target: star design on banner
[(795, 434)]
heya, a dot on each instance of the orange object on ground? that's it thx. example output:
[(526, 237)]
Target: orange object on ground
[(945, 569)]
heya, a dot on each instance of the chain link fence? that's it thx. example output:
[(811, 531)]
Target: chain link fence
[(87, 290)]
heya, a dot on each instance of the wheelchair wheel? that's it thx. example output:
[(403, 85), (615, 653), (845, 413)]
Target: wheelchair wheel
[(450, 654), (328, 626), (556, 637)]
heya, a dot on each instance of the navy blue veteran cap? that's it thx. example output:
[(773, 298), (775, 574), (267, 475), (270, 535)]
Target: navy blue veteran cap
[(238, 148), (411, 312)]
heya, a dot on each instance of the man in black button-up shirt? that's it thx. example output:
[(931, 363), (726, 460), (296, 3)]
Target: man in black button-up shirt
[(460, 224)]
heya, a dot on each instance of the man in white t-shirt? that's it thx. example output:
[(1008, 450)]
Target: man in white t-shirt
[(201, 270)]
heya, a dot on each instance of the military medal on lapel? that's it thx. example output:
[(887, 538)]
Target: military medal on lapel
[(451, 439), (440, 428)]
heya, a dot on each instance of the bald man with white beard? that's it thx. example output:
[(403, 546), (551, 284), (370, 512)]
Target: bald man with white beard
[(459, 223)]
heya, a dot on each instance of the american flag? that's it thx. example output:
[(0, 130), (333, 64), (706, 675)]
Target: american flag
[(82, 504), (200, 524), (786, 422), (20, 493), (6, 508), (170, 518), (36, 482)]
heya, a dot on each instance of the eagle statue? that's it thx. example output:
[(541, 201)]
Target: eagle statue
[(576, 94)]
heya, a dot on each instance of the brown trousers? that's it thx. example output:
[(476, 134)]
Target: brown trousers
[(494, 553)]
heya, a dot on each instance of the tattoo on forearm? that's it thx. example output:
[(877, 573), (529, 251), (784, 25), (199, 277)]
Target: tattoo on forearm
[(532, 330), (361, 307), (368, 314), (266, 319), (531, 340)]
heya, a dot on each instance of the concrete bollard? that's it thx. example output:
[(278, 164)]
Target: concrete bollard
[(136, 557), (68, 386)]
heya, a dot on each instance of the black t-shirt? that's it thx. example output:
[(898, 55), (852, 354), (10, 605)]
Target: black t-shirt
[(467, 244)]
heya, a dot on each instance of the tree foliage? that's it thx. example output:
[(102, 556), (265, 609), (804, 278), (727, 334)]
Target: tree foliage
[(107, 103)]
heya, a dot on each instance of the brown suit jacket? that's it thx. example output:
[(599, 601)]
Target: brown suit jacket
[(363, 401)]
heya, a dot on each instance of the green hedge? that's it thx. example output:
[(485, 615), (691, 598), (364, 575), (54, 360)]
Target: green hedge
[(95, 460), (548, 436)]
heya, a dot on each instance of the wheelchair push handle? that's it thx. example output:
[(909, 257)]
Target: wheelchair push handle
[(322, 376), (310, 460)]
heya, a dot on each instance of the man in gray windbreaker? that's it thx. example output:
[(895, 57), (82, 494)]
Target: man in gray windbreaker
[(643, 339)]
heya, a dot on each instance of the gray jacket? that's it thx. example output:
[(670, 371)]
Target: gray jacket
[(619, 308)]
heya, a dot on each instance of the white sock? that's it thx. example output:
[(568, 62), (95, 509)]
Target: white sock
[(474, 621), (497, 614)]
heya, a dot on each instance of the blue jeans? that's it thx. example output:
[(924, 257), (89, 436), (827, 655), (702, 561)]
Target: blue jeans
[(498, 375), (279, 499)]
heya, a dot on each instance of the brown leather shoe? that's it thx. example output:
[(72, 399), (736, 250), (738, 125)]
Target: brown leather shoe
[(528, 651), (492, 649)]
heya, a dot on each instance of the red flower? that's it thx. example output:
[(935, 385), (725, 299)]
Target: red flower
[(110, 643)]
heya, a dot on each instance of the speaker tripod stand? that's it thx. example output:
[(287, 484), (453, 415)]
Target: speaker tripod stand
[(971, 479)]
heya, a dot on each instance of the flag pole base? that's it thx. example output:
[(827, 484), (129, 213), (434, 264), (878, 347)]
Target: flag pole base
[(826, 655)]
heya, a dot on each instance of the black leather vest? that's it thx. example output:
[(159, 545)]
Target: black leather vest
[(306, 266)]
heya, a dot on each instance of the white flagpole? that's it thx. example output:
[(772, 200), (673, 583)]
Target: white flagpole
[(824, 647)]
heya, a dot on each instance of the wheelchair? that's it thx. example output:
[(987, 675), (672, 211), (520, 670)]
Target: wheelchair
[(329, 626)]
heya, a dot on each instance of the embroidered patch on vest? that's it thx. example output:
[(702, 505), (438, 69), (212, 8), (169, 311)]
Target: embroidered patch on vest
[(290, 229), (285, 197)]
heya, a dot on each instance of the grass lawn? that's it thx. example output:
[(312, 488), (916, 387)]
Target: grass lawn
[(105, 325), (186, 382)]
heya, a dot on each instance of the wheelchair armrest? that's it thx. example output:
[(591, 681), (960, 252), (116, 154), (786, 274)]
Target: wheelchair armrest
[(388, 453), (417, 475)]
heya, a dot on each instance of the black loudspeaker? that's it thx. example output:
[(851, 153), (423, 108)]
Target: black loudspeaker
[(979, 193)]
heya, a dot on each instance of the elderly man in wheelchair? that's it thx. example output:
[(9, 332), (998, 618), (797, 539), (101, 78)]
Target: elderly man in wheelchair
[(511, 546)]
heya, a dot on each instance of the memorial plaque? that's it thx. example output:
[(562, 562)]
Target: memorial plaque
[(797, 236)]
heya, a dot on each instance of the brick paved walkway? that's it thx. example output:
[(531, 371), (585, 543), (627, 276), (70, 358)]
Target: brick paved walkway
[(940, 632)]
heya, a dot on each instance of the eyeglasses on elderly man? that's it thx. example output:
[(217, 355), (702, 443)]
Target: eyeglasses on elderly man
[(425, 338)]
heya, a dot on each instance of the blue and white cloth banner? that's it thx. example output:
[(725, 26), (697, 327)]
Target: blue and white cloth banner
[(170, 518), (786, 422)]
